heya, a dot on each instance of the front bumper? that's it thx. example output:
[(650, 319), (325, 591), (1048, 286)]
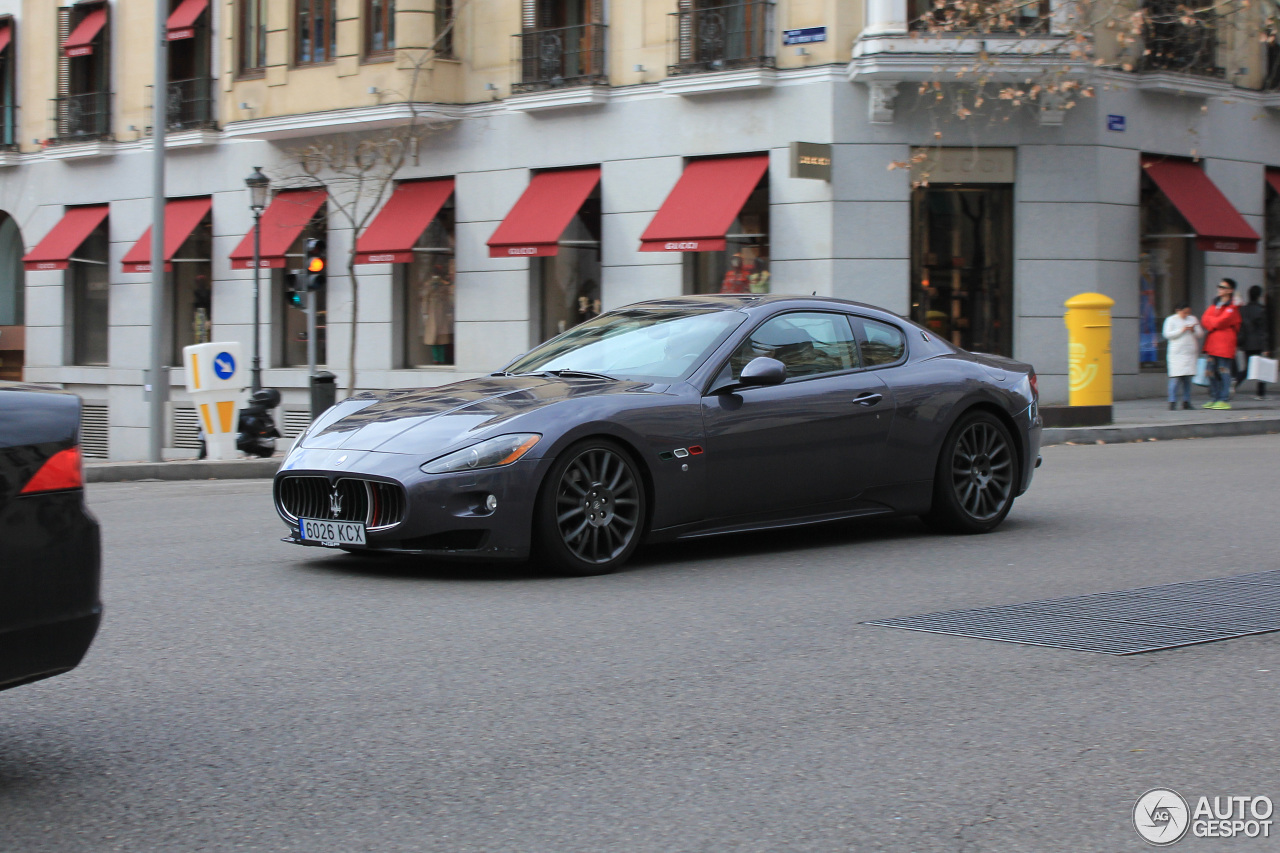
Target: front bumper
[(445, 514)]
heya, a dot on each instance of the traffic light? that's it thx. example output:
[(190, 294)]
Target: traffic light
[(316, 274), (295, 288)]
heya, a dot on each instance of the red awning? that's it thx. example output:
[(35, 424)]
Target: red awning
[(390, 238), (6, 35), (1273, 178), (80, 42), (55, 250), (181, 216), (1219, 227), (282, 222), (705, 201), (182, 23), (534, 225)]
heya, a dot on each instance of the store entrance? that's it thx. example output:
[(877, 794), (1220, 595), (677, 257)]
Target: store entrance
[(962, 264)]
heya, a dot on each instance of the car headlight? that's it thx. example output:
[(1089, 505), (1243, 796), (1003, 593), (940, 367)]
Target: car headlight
[(493, 453)]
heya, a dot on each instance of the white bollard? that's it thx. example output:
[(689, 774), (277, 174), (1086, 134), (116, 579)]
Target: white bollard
[(216, 382)]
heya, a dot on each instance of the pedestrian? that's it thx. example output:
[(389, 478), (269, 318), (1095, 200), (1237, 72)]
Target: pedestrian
[(1182, 331), (1222, 323), (1254, 335)]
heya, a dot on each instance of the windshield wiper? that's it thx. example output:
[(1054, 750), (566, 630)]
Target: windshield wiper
[(571, 372)]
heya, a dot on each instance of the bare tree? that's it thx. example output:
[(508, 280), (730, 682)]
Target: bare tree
[(358, 170)]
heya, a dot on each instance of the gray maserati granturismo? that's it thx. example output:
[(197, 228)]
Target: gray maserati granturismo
[(668, 420)]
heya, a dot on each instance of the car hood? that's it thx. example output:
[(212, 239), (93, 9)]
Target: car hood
[(430, 420)]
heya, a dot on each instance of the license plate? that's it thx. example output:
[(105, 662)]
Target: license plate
[(330, 533)]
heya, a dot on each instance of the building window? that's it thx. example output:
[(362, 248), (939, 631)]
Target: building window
[(253, 37), (962, 264), (567, 285), (380, 28), (8, 103), (720, 35), (90, 287), (1271, 260), (290, 311), (83, 106), (444, 28), (191, 308), (979, 17), (1181, 36), (562, 44), (190, 100), (743, 267), (1164, 273), (314, 34), (427, 296)]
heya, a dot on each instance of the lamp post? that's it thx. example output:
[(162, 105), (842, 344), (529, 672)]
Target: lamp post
[(258, 185)]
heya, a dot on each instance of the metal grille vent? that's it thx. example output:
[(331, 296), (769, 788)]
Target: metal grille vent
[(375, 503), (93, 431), (184, 428), (294, 422), (1122, 623)]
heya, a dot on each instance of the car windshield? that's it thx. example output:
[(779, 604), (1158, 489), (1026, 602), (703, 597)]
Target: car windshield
[(645, 344)]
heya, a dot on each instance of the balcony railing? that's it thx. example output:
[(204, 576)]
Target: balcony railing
[(557, 57), (722, 38), (82, 118), (190, 104), (1175, 39), (967, 18)]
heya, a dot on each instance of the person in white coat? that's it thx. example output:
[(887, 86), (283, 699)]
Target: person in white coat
[(1183, 332)]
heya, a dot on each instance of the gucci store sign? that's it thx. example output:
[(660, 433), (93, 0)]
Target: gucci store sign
[(964, 165), (811, 160)]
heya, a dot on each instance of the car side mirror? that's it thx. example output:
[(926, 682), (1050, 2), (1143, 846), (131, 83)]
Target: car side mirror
[(763, 371)]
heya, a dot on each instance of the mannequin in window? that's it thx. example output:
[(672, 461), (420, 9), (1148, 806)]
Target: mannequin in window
[(737, 279), (436, 304), (201, 310), (588, 304), (759, 278)]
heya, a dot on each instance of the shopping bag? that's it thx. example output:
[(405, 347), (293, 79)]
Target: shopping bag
[(1261, 369), (1202, 371)]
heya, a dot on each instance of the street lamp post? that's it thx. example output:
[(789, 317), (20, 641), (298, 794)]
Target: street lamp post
[(258, 185)]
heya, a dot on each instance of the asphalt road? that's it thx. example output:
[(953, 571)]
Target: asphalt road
[(249, 695)]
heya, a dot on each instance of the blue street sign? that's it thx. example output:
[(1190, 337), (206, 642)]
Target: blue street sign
[(808, 35), (224, 364), (1115, 123)]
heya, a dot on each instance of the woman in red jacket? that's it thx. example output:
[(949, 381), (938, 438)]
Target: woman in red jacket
[(1222, 322)]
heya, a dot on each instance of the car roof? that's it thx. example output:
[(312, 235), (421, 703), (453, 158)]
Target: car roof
[(760, 303)]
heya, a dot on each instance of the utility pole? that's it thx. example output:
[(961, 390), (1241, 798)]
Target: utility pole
[(160, 116)]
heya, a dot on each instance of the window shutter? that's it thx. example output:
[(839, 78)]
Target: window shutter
[(529, 14)]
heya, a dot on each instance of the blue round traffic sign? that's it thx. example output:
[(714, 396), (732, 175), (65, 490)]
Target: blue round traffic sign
[(224, 364)]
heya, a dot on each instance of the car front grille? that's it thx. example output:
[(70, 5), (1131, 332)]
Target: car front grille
[(377, 504)]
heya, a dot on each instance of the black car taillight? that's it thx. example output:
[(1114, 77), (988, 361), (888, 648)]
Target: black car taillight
[(63, 470)]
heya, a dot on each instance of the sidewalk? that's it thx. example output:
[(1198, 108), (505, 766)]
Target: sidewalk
[(1135, 420)]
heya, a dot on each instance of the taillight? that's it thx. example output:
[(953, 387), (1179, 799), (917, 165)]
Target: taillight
[(63, 470), (1035, 387)]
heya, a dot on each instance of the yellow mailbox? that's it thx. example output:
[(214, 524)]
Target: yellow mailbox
[(1089, 349)]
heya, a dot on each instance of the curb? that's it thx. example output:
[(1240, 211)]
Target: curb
[(208, 469), (1158, 432)]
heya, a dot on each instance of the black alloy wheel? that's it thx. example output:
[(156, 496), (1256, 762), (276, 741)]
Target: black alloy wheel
[(591, 511), (977, 476)]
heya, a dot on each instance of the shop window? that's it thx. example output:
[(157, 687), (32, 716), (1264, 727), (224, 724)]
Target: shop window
[(290, 311), (427, 296), (90, 288), (314, 31), (1164, 271), (962, 264), (380, 28), (743, 267), (1272, 262), (567, 284), (191, 292), (252, 37)]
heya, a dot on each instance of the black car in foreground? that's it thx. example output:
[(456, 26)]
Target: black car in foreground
[(668, 420), (50, 563)]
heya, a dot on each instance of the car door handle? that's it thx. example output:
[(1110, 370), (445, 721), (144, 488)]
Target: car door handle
[(868, 398)]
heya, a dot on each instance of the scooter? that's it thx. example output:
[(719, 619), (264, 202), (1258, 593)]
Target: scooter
[(257, 429)]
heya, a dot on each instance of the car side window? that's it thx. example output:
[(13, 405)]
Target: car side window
[(808, 343), (884, 344)]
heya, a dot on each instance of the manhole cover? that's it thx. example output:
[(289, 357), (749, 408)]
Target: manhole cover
[(1125, 622)]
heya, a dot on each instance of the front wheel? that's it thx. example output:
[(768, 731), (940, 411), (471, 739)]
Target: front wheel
[(591, 511), (976, 480)]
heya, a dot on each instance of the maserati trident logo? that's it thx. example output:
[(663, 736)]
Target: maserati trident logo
[(335, 503)]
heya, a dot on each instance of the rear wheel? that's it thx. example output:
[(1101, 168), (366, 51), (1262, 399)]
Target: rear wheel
[(591, 511), (976, 480)]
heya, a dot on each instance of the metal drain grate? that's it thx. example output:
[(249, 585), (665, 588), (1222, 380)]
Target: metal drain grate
[(1122, 623)]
